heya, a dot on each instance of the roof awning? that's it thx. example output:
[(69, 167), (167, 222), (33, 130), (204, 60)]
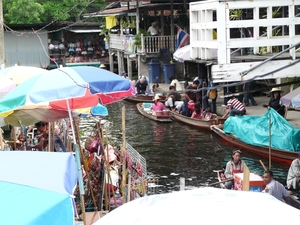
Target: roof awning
[(132, 10), (86, 31)]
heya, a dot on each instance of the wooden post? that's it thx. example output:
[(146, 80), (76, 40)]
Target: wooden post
[(246, 179), (182, 184), (76, 132), (270, 141), (123, 153), (85, 166)]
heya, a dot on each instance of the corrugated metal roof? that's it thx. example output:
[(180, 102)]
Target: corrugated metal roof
[(125, 10)]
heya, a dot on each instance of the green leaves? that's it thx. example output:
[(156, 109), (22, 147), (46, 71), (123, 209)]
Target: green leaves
[(44, 11)]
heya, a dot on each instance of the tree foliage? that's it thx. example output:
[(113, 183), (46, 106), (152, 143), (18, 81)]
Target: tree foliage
[(44, 11)]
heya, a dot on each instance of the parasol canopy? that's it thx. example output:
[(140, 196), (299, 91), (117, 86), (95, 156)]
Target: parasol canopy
[(182, 54), (212, 206), (292, 99), (36, 187), (6, 84), (82, 86), (19, 74)]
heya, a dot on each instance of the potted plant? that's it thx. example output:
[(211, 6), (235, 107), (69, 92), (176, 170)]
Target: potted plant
[(138, 38), (124, 23)]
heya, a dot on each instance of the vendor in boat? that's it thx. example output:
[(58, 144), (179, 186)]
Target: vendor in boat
[(235, 165), (273, 187), (142, 86), (157, 105), (197, 114), (208, 115), (173, 99), (293, 177), (234, 107), (43, 139), (275, 101), (190, 98), (157, 90)]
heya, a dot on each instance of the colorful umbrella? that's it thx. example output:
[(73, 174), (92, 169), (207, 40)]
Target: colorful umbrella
[(98, 110), (21, 73), (6, 84), (30, 194), (292, 99), (82, 86)]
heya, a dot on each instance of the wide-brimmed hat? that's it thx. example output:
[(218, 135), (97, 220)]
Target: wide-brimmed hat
[(102, 66), (276, 89), (156, 97)]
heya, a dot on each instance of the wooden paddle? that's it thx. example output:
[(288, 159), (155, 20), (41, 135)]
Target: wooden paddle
[(263, 165), (230, 179)]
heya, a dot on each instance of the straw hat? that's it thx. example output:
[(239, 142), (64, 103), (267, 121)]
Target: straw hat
[(276, 89), (156, 97), (102, 66)]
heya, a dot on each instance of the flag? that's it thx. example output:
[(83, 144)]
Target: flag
[(182, 38)]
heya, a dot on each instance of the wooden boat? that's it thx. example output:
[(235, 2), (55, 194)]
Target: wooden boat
[(201, 124), (278, 155), (221, 178), (163, 116), (143, 98), (292, 200)]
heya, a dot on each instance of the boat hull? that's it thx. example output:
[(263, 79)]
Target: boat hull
[(163, 119), (143, 98), (201, 124), (278, 155)]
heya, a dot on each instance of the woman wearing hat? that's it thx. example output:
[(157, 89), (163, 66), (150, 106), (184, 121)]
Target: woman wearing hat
[(235, 165), (157, 105), (275, 101)]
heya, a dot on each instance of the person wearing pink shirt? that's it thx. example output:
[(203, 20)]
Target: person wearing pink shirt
[(157, 105)]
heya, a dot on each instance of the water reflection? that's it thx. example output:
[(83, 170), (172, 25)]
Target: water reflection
[(174, 150)]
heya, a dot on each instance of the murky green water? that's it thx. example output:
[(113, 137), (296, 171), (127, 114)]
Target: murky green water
[(176, 150)]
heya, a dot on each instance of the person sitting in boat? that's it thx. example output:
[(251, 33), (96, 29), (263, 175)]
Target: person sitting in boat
[(197, 114), (275, 101), (208, 115), (142, 86), (175, 83), (43, 139), (234, 107), (190, 97), (273, 187), (293, 177), (173, 99), (156, 89), (157, 105), (235, 165)]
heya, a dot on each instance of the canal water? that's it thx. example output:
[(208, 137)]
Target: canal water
[(175, 150)]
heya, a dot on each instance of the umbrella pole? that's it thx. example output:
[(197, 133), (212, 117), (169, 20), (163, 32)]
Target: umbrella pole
[(85, 166), (77, 156)]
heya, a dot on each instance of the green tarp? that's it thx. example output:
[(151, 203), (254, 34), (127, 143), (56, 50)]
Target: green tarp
[(254, 130)]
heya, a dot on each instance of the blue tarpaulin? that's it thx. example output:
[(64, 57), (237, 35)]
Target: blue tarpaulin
[(254, 130)]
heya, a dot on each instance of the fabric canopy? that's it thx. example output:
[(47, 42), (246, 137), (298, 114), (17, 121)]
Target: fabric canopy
[(51, 171), (36, 187), (254, 130), (212, 206), (292, 99)]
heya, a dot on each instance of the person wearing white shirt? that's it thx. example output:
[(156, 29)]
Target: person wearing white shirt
[(175, 83), (293, 177), (273, 187), (152, 29)]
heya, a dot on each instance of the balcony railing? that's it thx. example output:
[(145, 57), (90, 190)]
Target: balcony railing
[(150, 44)]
